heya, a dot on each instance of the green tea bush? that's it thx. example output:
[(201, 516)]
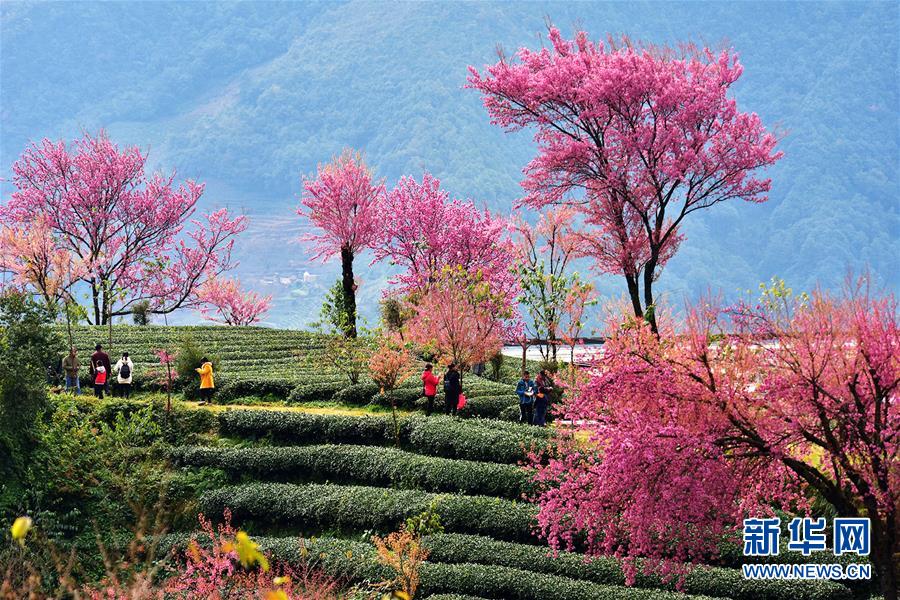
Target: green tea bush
[(318, 507), (369, 465), (459, 548), (489, 407), (404, 398), (518, 584), (358, 394), (474, 439), (315, 391), (274, 389)]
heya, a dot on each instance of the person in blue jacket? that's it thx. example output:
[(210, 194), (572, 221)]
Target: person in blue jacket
[(526, 389)]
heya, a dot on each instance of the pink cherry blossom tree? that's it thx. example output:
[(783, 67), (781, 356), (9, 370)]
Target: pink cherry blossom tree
[(742, 411), (636, 138), (36, 261), (424, 231), (459, 317), (131, 234), (223, 301), (342, 202)]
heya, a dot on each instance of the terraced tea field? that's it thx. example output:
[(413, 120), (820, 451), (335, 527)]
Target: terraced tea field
[(335, 480)]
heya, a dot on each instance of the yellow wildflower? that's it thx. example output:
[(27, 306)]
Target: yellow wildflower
[(248, 551), (286, 579), (20, 529), (275, 595)]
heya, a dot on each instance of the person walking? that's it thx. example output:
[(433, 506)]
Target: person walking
[(526, 389), (207, 383), (99, 380), (100, 358), (124, 373), (544, 389), (452, 389), (70, 368), (429, 387)]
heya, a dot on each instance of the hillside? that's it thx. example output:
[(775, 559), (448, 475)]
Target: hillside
[(248, 96)]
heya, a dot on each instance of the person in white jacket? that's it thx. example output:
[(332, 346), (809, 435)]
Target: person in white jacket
[(124, 373)]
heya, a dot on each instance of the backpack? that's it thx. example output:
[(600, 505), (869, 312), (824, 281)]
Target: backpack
[(125, 371)]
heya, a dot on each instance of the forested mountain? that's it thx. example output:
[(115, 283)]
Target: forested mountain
[(249, 96)]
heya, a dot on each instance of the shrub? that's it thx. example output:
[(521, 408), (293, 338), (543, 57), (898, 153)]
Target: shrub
[(353, 508), (496, 363), (369, 465), (180, 425), (28, 345), (476, 439), (314, 391), (357, 394), (457, 548)]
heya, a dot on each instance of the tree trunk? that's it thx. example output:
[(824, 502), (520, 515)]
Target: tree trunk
[(349, 291), (884, 540), (551, 339), (524, 357), (649, 304), (67, 308), (634, 293), (95, 296)]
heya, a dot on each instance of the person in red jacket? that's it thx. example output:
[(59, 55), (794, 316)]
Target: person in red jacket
[(429, 387)]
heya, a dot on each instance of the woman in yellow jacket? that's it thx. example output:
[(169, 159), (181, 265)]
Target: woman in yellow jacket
[(207, 383)]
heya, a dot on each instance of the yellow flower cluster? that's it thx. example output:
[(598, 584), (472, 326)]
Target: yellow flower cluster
[(247, 551), (20, 529)]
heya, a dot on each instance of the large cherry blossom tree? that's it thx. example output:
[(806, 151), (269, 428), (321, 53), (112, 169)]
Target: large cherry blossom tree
[(342, 202), (636, 138), (130, 234), (744, 410)]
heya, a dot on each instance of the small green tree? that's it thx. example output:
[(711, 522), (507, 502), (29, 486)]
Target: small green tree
[(140, 313), (393, 315), (187, 359), (28, 345), (334, 314)]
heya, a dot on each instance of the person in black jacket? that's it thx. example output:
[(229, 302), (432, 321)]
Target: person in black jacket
[(452, 390)]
